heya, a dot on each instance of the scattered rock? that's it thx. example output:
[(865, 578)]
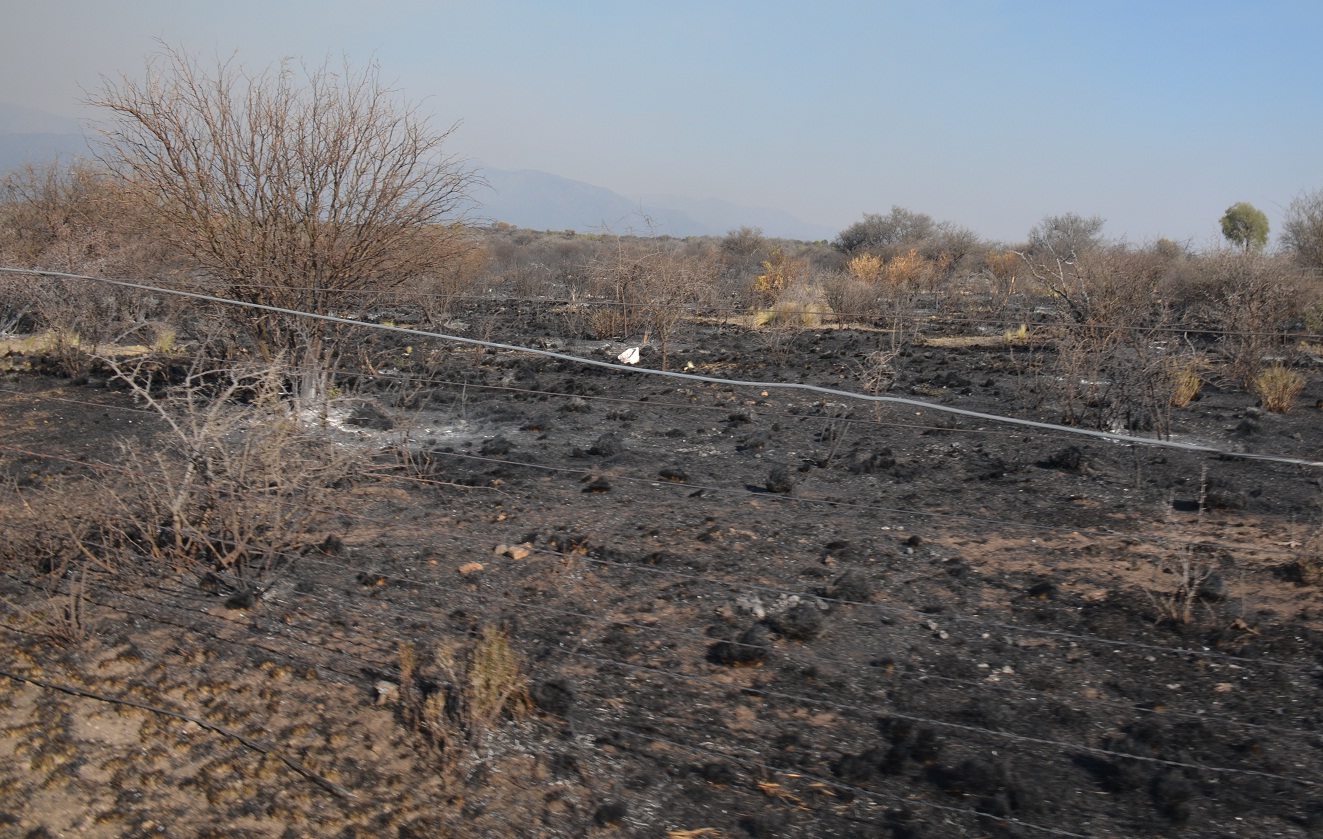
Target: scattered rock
[(749, 649), (610, 813), (766, 825), (608, 445), (387, 692), (554, 696), (245, 598), (1213, 587), (880, 461), (755, 442), (368, 415), (853, 586), (719, 774), (1069, 459), (331, 545), (537, 423), (779, 480), (802, 622), (1042, 590), (495, 447)]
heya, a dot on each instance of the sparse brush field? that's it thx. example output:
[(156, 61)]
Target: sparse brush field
[(480, 592)]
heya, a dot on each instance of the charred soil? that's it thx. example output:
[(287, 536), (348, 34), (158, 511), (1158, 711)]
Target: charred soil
[(741, 610)]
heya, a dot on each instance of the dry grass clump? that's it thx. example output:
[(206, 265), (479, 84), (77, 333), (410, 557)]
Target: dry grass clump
[(1310, 570), (1019, 335), (1279, 386), (799, 306), (468, 690), (1186, 383)]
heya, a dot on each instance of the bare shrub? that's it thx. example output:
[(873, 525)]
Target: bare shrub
[(1003, 269), (745, 247), (616, 281), (82, 317), (675, 282), (1302, 230), (71, 218), (650, 285), (436, 295), (852, 299), (1067, 236), (1116, 358), (877, 373), (1255, 299), (1193, 576), (236, 484), (875, 231)]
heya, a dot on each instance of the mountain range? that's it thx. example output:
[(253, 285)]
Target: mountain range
[(31, 136), (523, 198), (543, 201)]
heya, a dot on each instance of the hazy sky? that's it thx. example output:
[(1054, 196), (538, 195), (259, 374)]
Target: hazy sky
[(1156, 114)]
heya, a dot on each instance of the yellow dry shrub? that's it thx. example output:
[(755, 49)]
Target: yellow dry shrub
[(780, 272), (913, 270), (866, 267), (1003, 266)]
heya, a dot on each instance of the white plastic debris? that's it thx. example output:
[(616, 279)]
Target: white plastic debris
[(629, 356)]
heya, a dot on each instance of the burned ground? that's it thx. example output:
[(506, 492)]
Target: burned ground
[(743, 611)]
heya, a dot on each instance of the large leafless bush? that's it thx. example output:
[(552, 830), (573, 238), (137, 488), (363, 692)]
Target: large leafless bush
[(308, 188)]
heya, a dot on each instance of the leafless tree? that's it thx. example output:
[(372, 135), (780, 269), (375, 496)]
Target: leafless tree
[(1302, 230), (1066, 236), (309, 188)]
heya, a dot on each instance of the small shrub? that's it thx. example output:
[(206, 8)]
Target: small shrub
[(1279, 386)]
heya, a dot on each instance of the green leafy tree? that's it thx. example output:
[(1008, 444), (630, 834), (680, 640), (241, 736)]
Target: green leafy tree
[(1245, 226)]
